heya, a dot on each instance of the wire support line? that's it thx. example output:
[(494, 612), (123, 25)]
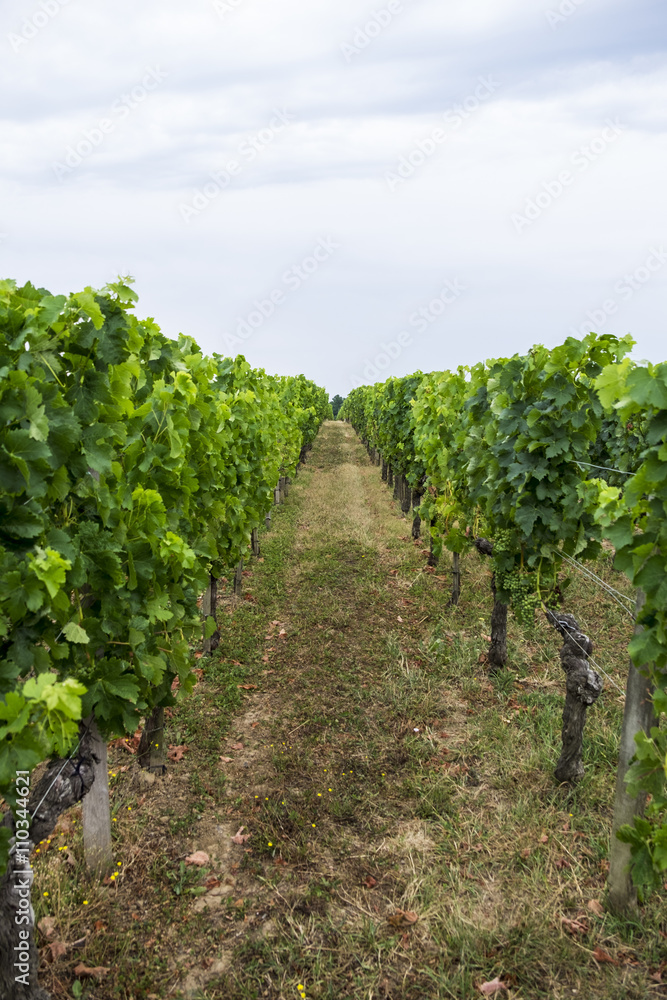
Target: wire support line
[(628, 608), (604, 468)]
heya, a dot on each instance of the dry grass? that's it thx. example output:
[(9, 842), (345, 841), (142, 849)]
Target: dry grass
[(407, 838)]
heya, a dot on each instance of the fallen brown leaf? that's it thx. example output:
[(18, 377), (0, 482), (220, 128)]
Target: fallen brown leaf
[(176, 753), (600, 955), (236, 746), (47, 925), (58, 950), (402, 917), (198, 858), (370, 882), (495, 986), (125, 744), (240, 837), (212, 882), (247, 687), (574, 926), (99, 972), (595, 907), (226, 760)]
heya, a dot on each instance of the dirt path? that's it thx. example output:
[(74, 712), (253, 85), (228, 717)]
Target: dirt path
[(322, 754)]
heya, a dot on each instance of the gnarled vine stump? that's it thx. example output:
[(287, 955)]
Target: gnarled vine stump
[(63, 785), (583, 688)]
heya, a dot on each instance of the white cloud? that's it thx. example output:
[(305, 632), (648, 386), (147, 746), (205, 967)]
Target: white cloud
[(325, 172)]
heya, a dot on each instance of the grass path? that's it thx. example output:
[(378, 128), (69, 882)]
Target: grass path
[(406, 837)]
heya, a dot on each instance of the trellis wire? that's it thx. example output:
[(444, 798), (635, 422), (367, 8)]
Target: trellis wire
[(604, 468), (605, 586)]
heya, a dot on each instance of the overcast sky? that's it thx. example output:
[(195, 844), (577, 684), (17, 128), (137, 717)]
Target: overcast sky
[(344, 188)]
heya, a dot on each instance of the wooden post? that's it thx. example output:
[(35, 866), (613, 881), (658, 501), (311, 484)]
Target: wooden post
[(151, 755), (209, 604), (390, 475), (287, 485), (385, 471), (498, 646), (638, 717), (97, 809), (267, 522), (456, 578), (276, 495), (432, 558), (406, 496), (417, 494), (254, 541), (238, 579)]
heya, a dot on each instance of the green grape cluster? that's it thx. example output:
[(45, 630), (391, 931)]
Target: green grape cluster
[(522, 597), (502, 541)]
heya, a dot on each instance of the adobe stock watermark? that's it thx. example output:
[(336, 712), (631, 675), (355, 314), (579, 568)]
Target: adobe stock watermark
[(565, 9), (32, 25), (248, 150), (374, 26), (225, 7), (454, 117), (625, 288), (291, 281), (92, 138), (419, 321), (23, 876), (554, 189)]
